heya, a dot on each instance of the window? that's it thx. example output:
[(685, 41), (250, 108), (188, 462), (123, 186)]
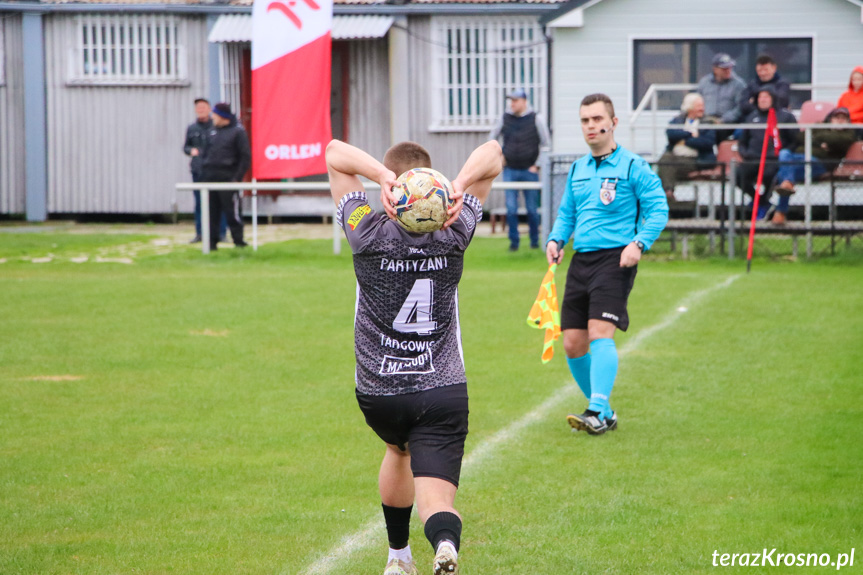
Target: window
[(129, 49), (687, 61), (478, 62)]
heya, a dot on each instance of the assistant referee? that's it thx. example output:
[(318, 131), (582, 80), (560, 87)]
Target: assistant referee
[(613, 208)]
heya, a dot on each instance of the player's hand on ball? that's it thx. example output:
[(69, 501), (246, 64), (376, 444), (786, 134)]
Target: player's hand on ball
[(387, 181), (630, 256), (457, 197)]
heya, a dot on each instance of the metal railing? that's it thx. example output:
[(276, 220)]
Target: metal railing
[(651, 99), (300, 188)]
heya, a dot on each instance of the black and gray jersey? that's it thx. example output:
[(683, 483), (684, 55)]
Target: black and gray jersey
[(406, 327)]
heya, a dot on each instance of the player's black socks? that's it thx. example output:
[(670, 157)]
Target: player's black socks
[(443, 526), (398, 520)]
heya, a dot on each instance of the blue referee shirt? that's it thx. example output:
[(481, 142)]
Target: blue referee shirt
[(620, 202)]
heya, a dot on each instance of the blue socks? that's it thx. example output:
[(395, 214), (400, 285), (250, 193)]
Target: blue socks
[(603, 371), (580, 369)]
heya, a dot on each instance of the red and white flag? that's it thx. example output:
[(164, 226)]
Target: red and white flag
[(773, 131), (291, 46)]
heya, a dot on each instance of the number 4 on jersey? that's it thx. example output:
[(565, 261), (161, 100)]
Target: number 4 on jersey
[(415, 316)]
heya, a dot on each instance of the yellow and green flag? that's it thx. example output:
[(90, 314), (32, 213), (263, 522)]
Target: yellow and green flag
[(545, 314)]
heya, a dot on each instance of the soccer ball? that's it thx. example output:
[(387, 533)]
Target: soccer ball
[(422, 199)]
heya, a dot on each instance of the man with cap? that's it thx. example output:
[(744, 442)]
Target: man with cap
[(829, 146), (525, 134), (722, 91), (226, 158), (196, 139)]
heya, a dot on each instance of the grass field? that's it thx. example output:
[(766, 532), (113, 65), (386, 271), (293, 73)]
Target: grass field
[(195, 415)]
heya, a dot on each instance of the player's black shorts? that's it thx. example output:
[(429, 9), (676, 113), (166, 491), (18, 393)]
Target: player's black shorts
[(431, 423), (596, 288)]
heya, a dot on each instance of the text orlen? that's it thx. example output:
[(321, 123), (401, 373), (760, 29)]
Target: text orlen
[(292, 151), (773, 559)]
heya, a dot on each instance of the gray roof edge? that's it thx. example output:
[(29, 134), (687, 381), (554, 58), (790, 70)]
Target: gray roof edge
[(562, 9), (352, 9)]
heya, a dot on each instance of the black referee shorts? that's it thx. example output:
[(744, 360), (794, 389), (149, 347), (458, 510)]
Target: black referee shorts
[(432, 423), (596, 288)]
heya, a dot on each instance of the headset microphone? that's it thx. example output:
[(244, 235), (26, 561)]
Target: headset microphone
[(603, 131)]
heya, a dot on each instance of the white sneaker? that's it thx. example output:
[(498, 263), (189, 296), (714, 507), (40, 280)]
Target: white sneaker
[(399, 567), (446, 560)]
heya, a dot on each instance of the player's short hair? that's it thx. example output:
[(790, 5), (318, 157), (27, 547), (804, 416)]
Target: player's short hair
[(204, 100), (406, 155), (765, 59), (689, 101), (594, 98)]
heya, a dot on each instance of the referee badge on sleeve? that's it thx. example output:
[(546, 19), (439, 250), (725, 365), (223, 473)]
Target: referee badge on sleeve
[(608, 191)]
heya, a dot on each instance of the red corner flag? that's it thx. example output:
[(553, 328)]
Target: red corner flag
[(771, 132)]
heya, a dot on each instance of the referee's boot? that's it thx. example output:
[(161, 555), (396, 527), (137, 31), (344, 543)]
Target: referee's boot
[(399, 567), (611, 422), (591, 422)]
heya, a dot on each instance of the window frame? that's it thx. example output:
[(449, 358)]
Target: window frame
[(487, 94), (745, 76), (2, 51), (115, 42)]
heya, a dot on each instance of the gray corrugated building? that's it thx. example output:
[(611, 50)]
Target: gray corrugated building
[(95, 96)]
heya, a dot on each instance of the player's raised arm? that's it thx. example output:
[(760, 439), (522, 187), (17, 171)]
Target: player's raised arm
[(345, 163), (481, 168)]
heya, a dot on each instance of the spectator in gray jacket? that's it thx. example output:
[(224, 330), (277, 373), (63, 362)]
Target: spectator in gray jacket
[(525, 135), (723, 93)]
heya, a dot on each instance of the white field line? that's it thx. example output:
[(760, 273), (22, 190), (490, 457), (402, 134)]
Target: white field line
[(363, 537)]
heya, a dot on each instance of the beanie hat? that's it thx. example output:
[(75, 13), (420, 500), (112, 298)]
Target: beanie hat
[(224, 110)]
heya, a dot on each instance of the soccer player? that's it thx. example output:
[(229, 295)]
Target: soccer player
[(613, 208), (410, 378)]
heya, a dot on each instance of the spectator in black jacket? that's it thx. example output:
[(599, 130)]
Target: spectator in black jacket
[(196, 140), (766, 75), (751, 143), (227, 158), (690, 145)]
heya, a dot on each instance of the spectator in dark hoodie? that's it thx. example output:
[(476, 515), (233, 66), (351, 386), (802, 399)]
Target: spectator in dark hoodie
[(752, 140), (227, 157), (690, 145), (766, 76), (829, 146)]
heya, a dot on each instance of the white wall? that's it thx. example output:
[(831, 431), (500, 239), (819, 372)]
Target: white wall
[(598, 56)]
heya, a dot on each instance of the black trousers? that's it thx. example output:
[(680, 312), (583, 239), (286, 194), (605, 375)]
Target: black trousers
[(747, 177), (227, 203)]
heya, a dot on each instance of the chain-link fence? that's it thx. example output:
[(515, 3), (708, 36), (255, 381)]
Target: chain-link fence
[(711, 216)]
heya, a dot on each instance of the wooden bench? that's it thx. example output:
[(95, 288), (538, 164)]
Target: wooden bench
[(685, 228)]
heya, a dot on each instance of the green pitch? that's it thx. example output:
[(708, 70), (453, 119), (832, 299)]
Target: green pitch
[(195, 415)]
